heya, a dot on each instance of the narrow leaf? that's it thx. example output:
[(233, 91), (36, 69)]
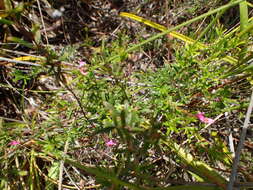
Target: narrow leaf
[(174, 34), (199, 168)]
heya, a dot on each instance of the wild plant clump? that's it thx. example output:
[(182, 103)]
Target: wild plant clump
[(98, 95)]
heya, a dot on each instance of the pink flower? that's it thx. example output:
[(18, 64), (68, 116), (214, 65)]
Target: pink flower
[(217, 99), (110, 143), (82, 68), (13, 143), (202, 118), (81, 64)]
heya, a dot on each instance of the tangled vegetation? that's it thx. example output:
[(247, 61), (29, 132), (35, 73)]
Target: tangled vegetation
[(140, 94)]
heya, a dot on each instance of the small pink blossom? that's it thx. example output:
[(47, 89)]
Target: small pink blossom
[(82, 68), (110, 143), (13, 143), (202, 118), (81, 63), (217, 99)]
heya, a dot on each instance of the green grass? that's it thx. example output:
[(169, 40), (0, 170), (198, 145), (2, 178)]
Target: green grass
[(149, 115)]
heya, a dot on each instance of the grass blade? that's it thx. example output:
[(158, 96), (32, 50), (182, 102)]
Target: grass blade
[(199, 168), (244, 16), (173, 34), (102, 174)]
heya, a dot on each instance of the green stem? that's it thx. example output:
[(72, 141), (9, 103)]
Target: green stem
[(212, 22), (244, 16), (178, 27), (244, 22)]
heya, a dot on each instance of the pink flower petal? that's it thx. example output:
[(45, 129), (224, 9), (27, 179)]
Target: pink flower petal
[(83, 71), (81, 64), (208, 120), (110, 143), (202, 118), (82, 68), (13, 143)]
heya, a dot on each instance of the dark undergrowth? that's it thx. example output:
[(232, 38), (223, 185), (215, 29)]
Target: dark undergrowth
[(118, 94)]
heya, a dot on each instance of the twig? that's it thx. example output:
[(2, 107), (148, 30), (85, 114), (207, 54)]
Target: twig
[(14, 120), (231, 144), (21, 177), (42, 21), (62, 166), (215, 119), (74, 183), (51, 179), (34, 91), (77, 99), (240, 146), (21, 53), (17, 90)]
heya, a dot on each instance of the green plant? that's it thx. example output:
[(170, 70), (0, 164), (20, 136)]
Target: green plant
[(143, 130)]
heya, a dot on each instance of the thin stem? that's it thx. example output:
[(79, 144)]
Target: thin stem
[(244, 22), (244, 16), (219, 14), (178, 27), (240, 146), (62, 165), (42, 21)]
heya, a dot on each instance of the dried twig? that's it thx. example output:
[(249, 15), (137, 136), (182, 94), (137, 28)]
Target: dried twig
[(62, 166), (72, 181), (13, 120), (231, 144), (20, 53), (42, 21)]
